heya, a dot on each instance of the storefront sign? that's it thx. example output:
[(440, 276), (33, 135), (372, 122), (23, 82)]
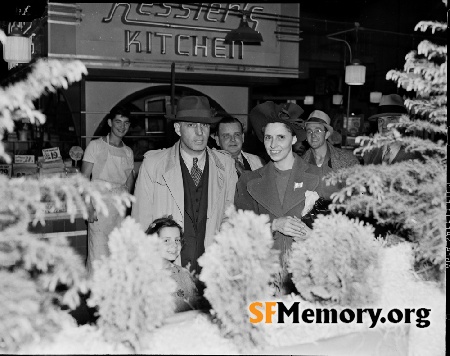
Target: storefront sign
[(183, 44), (149, 36), (191, 13)]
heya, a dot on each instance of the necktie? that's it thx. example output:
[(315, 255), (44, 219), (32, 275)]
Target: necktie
[(196, 173), (387, 154), (240, 168)]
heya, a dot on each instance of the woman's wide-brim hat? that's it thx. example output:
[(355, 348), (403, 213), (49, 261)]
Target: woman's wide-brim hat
[(194, 109), (319, 117), (390, 105), (269, 112)]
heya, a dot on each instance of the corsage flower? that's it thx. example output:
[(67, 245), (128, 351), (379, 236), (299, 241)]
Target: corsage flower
[(298, 185), (310, 199)]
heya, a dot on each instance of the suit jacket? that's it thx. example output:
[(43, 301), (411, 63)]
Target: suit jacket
[(254, 161), (335, 159), (375, 156), (159, 188), (339, 157), (257, 191)]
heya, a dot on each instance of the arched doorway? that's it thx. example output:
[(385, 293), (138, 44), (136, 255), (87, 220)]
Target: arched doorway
[(149, 128)]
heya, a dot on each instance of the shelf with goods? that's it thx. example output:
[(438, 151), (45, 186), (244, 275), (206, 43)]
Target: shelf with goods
[(33, 151)]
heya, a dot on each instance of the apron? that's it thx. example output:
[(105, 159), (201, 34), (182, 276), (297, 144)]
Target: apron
[(116, 173)]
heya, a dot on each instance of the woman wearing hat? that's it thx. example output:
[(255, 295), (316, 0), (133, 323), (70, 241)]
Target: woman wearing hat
[(278, 189)]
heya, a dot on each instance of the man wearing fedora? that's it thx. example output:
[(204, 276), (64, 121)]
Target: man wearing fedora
[(229, 136), (321, 152), (189, 181), (390, 109)]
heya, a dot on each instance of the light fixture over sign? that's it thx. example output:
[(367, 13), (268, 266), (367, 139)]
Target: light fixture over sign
[(355, 73), (244, 33), (17, 47)]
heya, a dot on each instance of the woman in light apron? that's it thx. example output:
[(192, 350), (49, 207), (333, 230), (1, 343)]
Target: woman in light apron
[(108, 159)]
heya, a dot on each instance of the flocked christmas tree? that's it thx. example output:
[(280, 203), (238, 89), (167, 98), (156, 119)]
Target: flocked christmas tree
[(33, 269), (411, 194)]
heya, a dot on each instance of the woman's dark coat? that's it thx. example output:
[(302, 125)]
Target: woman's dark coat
[(257, 191)]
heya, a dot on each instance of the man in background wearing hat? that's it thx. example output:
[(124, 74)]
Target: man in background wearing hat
[(188, 180), (229, 136), (322, 153), (390, 109)]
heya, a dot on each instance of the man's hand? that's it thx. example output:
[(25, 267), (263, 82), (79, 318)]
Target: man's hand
[(291, 226), (92, 214)]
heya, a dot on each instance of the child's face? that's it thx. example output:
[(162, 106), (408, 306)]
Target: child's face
[(171, 239)]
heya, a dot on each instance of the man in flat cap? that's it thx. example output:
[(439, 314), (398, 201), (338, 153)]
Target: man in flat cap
[(189, 181)]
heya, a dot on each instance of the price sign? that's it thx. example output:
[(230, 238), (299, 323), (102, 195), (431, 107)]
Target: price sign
[(5, 169), (51, 154), (24, 159)]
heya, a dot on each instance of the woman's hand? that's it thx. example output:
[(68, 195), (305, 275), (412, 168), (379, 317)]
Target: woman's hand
[(291, 226), (307, 231)]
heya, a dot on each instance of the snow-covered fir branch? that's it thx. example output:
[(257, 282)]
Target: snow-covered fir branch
[(432, 25)]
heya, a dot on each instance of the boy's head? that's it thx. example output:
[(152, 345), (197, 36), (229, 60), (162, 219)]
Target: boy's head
[(119, 121), (170, 232)]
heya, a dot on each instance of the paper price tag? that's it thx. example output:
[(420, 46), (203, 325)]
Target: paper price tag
[(24, 159), (6, 169), (51, 154)]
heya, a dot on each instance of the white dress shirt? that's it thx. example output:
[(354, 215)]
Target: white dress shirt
[(189, 160), (395, 147)]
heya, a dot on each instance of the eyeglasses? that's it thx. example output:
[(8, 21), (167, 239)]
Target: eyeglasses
[(316, 132)]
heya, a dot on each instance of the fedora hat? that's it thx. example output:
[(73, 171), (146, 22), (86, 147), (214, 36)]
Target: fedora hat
[(269, 112), (194, 109), (390, 105), (319, 117)]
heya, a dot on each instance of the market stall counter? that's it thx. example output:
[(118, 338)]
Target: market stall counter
[(58, 224)]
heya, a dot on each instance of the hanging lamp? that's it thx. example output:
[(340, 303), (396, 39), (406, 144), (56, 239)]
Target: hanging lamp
[(355, 73), (17, 47), (244, 33)]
